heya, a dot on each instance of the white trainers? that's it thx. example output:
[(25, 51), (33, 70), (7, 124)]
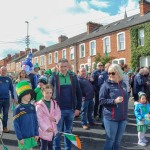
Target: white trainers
[(144, 140), (141, 144)]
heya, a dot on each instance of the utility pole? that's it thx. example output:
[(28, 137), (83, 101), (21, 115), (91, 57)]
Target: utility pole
[(27, 37)]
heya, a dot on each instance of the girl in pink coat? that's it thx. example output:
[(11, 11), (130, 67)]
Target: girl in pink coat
[(48, 114)]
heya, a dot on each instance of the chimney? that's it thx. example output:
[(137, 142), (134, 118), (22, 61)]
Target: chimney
[(8, 57), (22, 53), (62, 38), (91, 26), (144, 7), (41, 47), (27, 51)]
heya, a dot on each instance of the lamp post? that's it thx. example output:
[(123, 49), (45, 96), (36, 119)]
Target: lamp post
[(27, 37)]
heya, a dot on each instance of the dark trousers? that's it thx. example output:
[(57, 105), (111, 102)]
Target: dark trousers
[(46, 145), (4, 105), (31, 77), (97, 107)]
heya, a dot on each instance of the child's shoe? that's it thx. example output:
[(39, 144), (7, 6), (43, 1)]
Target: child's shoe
[(144, 140), (141, 144)]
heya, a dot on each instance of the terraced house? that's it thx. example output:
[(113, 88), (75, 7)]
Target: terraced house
[(127, 40)]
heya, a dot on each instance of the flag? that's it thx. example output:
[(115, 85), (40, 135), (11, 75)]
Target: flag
[(74, 139), (106, 54), (13, 107)]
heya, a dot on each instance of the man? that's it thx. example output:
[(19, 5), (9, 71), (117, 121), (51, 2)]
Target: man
[(95, 76), (101, 79), (5, 86), (68, 95), (87, 100)]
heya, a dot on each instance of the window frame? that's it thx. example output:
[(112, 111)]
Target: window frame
[(118, 43), (50, 62), (139, 37), (64, 50), (42, 56), (104, 45), (72, 48), (55, 61), (94, 48), (83, 44)]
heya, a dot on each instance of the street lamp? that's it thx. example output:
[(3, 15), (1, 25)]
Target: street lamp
[(27, 37)]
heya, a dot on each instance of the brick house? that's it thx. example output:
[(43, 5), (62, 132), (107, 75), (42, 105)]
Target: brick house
[(115, 38)]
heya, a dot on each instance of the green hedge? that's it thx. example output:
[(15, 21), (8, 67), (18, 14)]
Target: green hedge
[(136, 50)]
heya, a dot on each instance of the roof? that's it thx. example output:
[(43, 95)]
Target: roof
[(118, 25), (102, 30)]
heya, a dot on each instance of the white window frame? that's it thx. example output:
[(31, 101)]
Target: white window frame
[(64, 52), (140, 37), (118, 42), (42, 63), (50, 60), (72, 67), (83, 44), (104, 44), (35, 59), (72, 52), (117, 60), (56, 58), (94, 53)]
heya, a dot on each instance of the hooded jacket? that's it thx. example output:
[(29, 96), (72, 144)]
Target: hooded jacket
[(43, 115), (110, 90)]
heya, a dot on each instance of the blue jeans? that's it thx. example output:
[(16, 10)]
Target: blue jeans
[(46, 144), (4, 105), (64, 125), (87, 111), (114, 132)]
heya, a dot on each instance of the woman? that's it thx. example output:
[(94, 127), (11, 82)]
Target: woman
[(114, 98)]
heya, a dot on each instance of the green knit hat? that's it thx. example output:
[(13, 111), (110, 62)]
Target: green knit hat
[(48, 72), (36, 65), (23, 88)]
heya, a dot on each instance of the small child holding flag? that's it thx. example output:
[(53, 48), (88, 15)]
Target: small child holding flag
[(48, 113)]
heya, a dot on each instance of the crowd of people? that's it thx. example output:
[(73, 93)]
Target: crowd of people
[(47, 104)]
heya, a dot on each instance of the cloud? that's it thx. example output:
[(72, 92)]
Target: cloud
[(101, 4)]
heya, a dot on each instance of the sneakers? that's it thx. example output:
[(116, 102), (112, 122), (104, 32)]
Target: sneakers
[(141, 144), (144, 140), (85, 127), (5, 130)]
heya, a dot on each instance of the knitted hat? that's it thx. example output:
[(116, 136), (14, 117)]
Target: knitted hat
[(43, 79), (29, 56), (141, 93), (36, 65), (23, 88), (48, 72)]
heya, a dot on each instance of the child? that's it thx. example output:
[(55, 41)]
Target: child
[(48, 114), (142, 110), (38, 91), (25, 119)]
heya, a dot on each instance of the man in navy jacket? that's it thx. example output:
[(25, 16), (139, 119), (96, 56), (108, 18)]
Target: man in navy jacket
[(5, 86)]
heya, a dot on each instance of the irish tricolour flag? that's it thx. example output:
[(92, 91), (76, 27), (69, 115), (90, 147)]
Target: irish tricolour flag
[(74, 139)]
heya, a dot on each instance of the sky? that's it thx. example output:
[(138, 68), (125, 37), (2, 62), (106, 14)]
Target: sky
[(48, 19)]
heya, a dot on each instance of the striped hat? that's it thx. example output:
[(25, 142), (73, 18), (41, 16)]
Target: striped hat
[(23, 88)]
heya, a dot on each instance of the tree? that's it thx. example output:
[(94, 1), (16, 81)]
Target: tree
[(105, 59)]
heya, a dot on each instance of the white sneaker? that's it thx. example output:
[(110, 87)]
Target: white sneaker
[(141, 144), (144, 140)]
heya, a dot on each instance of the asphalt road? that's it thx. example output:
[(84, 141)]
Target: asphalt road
[(92, 139)]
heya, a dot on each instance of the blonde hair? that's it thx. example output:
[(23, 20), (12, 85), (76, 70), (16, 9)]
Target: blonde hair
[(116, 68), (47, 86)]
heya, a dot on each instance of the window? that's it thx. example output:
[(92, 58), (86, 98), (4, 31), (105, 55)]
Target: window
[(119, 61), (72, 67), (56, 57), (141, 37), (82, 50), (71, 53), (85, 66), (106, 43), (42, 60), (19, 65), (50, 58), (121, 41), (35, 60), (64, 53), (92, 48)]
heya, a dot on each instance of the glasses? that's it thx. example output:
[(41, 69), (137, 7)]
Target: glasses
[(111, 73)]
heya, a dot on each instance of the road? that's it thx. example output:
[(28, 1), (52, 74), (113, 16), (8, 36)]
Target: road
[(92, 139)]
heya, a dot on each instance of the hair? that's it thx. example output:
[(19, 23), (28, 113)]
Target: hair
[(19, 75), (47, 86), (116, 68), (63, 60)]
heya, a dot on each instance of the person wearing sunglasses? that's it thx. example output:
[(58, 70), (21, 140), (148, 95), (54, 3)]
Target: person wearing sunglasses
[(114, 98), (95, 74)]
